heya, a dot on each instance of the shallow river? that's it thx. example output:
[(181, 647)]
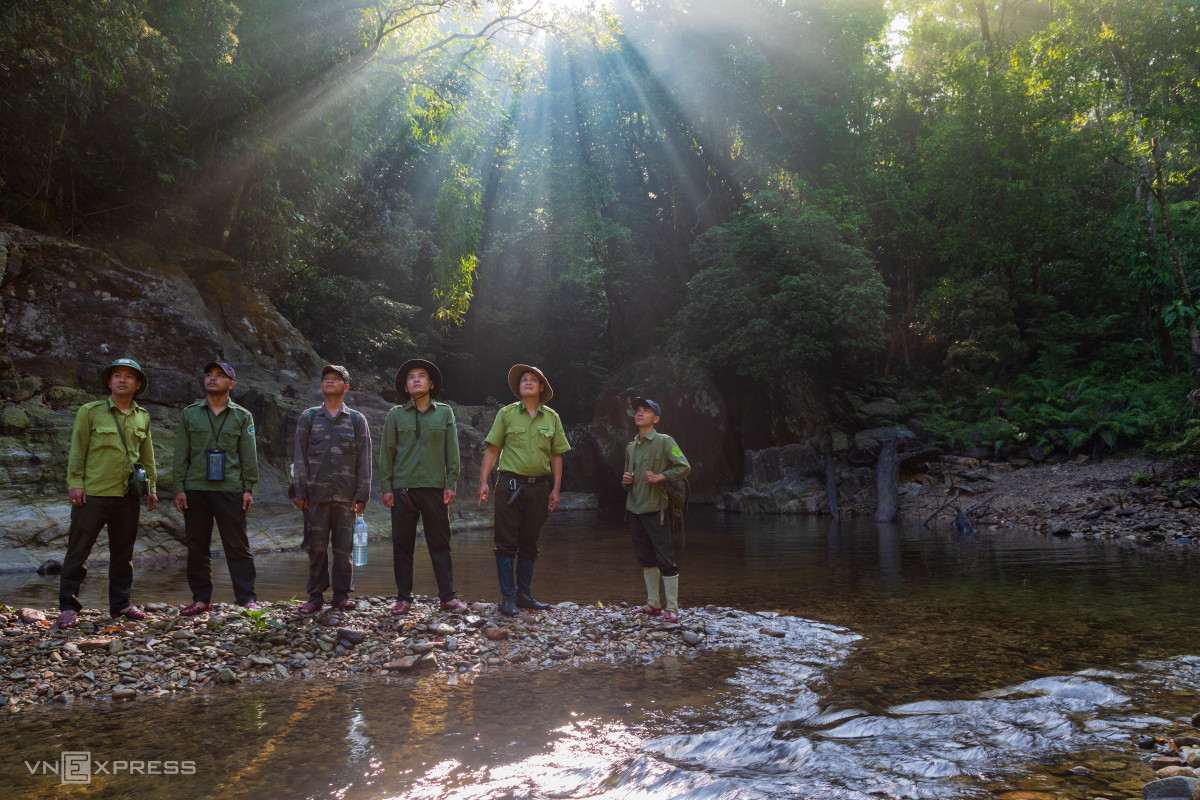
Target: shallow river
[(916, 664)]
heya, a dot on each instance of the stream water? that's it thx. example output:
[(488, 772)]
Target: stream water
[(916, 664)]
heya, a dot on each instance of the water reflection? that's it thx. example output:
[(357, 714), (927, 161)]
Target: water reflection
[(981, 654)]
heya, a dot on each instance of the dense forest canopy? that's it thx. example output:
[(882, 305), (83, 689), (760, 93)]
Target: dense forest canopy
[(987, 208)]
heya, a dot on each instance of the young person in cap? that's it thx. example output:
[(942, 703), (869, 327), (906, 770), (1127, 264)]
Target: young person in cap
[(216, 466), (331, 476), (418, 472), (652, 460), (109, 443), (527, 439)]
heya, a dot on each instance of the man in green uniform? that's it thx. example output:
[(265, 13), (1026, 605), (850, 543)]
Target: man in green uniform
[(216, 466), (331, 476), (418, 472), (652, 460), (111, 464), (528, 440)]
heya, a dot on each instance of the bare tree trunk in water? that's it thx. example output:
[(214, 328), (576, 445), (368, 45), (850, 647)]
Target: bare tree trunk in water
[(831, 488), (887, 483)]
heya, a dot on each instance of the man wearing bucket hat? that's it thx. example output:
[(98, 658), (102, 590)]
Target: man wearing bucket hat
[(216, 471), (528, 441), (109, 469), (652, 461), (331, 476), (418, 473)]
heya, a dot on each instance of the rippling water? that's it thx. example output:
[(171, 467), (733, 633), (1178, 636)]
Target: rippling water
[(915, 665)]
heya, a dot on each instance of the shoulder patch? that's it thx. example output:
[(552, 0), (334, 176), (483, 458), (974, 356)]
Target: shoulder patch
[(675, 451), (250, 430)]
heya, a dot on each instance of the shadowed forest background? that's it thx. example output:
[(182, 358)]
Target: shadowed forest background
[(984, 209)]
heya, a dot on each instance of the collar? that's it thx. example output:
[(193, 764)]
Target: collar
[(412, 405), (648, 437), (133, 406), (345, 409)]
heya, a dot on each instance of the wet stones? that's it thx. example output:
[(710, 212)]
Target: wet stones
[(1176, 788), (103, 660)]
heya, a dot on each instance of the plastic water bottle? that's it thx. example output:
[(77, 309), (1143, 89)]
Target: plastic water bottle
[(359, 555)]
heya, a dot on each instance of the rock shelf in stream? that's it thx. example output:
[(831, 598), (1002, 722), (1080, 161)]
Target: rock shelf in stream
[(105, 659)]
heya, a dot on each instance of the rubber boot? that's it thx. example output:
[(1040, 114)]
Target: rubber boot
[(525, 598), (653, 605), (504, 571), (671, 584)]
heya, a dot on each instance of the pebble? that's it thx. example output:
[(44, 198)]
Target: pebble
[(172, 654)]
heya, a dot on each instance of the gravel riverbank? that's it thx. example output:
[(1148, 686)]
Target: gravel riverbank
[(167, 653)]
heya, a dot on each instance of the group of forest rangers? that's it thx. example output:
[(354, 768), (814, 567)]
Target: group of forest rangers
[(111, 474)]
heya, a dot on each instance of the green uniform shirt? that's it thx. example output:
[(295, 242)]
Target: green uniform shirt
[(658, 453), (526, 443), (419, 448), (232, 431), (99, 463)]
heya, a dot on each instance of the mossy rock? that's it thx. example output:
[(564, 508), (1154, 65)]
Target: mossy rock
[(13, 421), (66, 396), (19, 389)]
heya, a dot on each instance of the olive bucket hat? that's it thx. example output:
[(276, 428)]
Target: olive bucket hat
[(435, 376), (514, 382), (130, 364)]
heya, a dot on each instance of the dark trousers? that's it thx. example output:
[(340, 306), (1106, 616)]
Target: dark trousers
[(325, 523), (519, 525), (652, 542), (426, 505), (203, 507), (120, 514)]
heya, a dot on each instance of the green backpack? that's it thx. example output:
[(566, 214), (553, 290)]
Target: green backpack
[(677, 500)]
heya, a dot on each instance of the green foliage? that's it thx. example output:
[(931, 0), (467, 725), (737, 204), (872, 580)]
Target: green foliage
[(779, 291)]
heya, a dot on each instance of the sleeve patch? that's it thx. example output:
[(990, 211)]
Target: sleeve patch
[(250, 430), (675, 451)]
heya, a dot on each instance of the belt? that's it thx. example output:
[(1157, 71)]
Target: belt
[(507, 476)]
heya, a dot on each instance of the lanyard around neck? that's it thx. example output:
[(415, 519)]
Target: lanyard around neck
[(216, 434)]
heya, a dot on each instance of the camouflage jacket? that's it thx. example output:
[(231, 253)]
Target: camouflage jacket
[(332, 458)]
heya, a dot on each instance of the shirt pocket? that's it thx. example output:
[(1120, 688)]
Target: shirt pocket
[(345, 444), (516, 438), (228, 441), (107, 440)]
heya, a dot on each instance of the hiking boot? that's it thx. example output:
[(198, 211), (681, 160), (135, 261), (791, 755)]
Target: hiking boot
[(531, 602), (507, 607)]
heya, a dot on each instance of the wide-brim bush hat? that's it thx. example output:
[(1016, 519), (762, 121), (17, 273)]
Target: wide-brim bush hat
[(131, 364), (435, 375), (514, 382)]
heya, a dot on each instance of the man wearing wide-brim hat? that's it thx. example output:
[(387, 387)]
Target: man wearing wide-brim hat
[(418, 472), (109, 469), (527, 440)]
